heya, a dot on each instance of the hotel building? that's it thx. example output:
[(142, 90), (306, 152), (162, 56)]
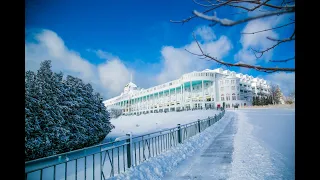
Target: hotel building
[(195, 90)]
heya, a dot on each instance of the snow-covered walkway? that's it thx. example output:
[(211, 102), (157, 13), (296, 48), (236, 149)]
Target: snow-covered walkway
[(212, 162), (158, 167)]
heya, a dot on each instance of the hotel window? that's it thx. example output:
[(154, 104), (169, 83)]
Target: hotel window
[(222, 97), (227, 97), (241, 90), (240, 84), (233, 88), (238, 87), (221, 82), (227, 81), (233, 96), (206, 84), (221, 89)]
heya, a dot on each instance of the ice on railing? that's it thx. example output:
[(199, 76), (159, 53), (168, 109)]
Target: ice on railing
[(121, 138)]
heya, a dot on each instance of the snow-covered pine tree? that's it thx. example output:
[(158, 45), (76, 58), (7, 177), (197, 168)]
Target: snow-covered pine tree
[(265, 100), (278, 95), (61, 115), (258, 100)]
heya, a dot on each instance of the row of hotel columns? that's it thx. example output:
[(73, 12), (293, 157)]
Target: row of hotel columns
[(182, 89)]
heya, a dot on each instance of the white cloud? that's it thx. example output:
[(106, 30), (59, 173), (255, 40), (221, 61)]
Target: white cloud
[(286, 81), (110, 79), (50, 46), (102, 54), (114, 75), (177, 61), (206, 33), (257, 41)]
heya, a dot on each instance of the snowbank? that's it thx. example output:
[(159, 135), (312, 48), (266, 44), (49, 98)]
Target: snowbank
[(155, 122), (157, 167)]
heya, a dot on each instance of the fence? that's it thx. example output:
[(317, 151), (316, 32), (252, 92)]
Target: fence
[(109, 159)]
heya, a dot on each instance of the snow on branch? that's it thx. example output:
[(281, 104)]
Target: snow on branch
[(228, 22)]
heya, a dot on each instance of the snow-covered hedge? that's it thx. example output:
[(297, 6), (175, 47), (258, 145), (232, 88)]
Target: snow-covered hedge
[(61, 114)]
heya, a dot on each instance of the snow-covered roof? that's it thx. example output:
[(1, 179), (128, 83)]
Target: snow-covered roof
[(230, 77), (131, 84)]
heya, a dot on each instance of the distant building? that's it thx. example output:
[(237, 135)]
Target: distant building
[(195, 90)]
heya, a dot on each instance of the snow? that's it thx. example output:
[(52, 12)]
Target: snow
[(154, 122), (244, 144), (158, 167), (262, 142), (212, 160), (264, 145)]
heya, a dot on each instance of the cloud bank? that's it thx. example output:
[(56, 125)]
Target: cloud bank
[(110, 77)]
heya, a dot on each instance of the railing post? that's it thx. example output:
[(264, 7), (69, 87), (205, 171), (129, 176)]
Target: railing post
[(215, 118), (179, 133), (209, 121), (129, 150), (199, 125)]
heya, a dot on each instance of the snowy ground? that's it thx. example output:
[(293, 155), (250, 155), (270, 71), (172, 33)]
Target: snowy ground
[(264, 145), (155, 122), (158, 167), (245, 144)]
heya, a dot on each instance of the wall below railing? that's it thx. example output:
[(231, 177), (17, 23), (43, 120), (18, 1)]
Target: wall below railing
[(109, 159)]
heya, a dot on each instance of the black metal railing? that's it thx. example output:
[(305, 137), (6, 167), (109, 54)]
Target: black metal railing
[(109, 159)]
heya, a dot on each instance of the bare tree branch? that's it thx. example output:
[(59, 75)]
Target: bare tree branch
[(286, 60), (228, 22), (269, 29), (230, 2), (208, 10), (294, 32), (204, 5), (252, 9), (258, 68), (274, 6), (277, 8), (268, 49), (278, 40)]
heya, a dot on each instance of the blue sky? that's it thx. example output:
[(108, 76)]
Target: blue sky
[(103, 42)]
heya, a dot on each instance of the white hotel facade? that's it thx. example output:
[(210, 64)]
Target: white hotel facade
[(195, 90)]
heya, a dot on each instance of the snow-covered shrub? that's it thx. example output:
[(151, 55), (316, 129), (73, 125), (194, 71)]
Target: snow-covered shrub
[(115, 112), (61, 114)]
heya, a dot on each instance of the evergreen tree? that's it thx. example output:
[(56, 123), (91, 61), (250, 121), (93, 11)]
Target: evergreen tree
[(269, 100), (278, 95), (61, 115), (254, 101), (265, 100), (258, 101)]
